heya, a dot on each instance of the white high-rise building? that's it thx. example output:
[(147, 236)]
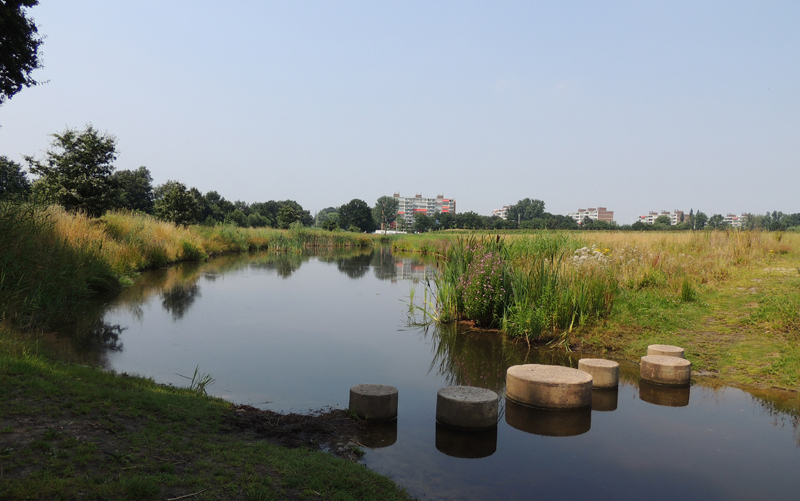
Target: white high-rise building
[(408, 206)]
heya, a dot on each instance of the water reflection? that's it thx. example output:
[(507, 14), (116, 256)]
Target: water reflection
[(379, 434), (561, 423), (179, 299), (466, 444), (605, 400), (667, 396)]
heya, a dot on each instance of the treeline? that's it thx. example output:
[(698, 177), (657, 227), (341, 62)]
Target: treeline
[(77, 172)]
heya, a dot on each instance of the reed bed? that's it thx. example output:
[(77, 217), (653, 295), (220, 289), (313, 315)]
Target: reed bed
[(545, 284)]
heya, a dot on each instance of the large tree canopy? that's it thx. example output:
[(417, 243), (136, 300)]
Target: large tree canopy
[(356, 213), (19, 47), (385, 211), (525, 210), (177, 204), (135, 189), (77, 171)]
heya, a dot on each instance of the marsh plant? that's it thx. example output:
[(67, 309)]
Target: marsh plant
[(199, 381)]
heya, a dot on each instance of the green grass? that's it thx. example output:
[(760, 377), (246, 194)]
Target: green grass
[(72, 431)]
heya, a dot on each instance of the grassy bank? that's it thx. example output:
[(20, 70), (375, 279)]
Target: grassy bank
[(732, 299), (69, 431), (52, 261)]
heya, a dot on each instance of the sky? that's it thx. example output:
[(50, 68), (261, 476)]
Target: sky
[(636, 106)]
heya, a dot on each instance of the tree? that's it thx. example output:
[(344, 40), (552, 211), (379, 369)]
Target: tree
[(135, 189), (663, 220), (77, 171), (13, 181), (716, 221), (177, 204), (700, 220), (422, 222), (286, 216), (356, 213), (385, 211), (325, 214), (525, 210), (19, 47)]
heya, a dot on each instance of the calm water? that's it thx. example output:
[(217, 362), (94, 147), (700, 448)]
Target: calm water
[(293, 333)]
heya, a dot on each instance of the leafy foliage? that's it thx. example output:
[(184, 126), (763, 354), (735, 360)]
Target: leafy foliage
[(176, 204), (77, 171), (135, 189), (385, 211), (13, 181), (356, 213), (19, 47)]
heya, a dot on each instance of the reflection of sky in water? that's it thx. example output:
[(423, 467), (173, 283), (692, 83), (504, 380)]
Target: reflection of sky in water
[(298, 331)]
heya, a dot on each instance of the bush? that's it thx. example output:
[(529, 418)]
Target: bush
[(483, 289)]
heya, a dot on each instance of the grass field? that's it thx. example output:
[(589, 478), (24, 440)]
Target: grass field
[(731, 298)]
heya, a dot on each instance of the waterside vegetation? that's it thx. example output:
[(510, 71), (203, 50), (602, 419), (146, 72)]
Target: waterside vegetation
[(731, 298)]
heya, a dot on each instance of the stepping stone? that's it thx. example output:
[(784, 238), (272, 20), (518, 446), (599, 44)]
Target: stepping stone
[(548, 386), (666, 370), (376, 402), (605, 373), (666, 350), (467, 407)]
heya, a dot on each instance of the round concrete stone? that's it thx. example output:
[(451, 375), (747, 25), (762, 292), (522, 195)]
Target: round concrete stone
[(605, 373), (560, 423), (666, 350), (467, 407), (377, 402), (665, 396), (548, 386), (669, 371)]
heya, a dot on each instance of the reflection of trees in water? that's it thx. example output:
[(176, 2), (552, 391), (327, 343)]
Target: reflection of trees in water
[(383, 264), (284, 264), (356, 266), (179, 299), (480, 358), (86, 341), (783, 407)]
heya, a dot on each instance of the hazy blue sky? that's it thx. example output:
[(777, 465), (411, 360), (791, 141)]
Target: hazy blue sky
[(635, 106)]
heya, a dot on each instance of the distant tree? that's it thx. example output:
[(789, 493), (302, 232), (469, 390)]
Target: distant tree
[(385, 211), (663, 220), (356, 213), (13, 181), (716, 220), (134, 189), (286, 216), (325, 214), (525, 210), (256, 220), (469, 221), (422, 222), (238, 218), (331, 223), (700, 220), (77, 171), (175, 203), (19, 47), (447, 221)]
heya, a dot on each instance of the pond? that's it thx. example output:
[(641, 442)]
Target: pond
[(292, 332)]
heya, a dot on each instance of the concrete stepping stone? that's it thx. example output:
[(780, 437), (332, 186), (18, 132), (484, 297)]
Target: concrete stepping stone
[(548, 386), (666, 370), (605, 373), (377, 402), (467, 407), (666, 350)]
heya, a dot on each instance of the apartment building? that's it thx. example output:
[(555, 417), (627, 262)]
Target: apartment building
[(675, 217), (735, 221), (408, 206), (501, 213), (593, 213)]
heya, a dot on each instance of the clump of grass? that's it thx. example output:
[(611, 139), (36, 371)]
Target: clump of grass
[(688, 293), (199, 381)]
